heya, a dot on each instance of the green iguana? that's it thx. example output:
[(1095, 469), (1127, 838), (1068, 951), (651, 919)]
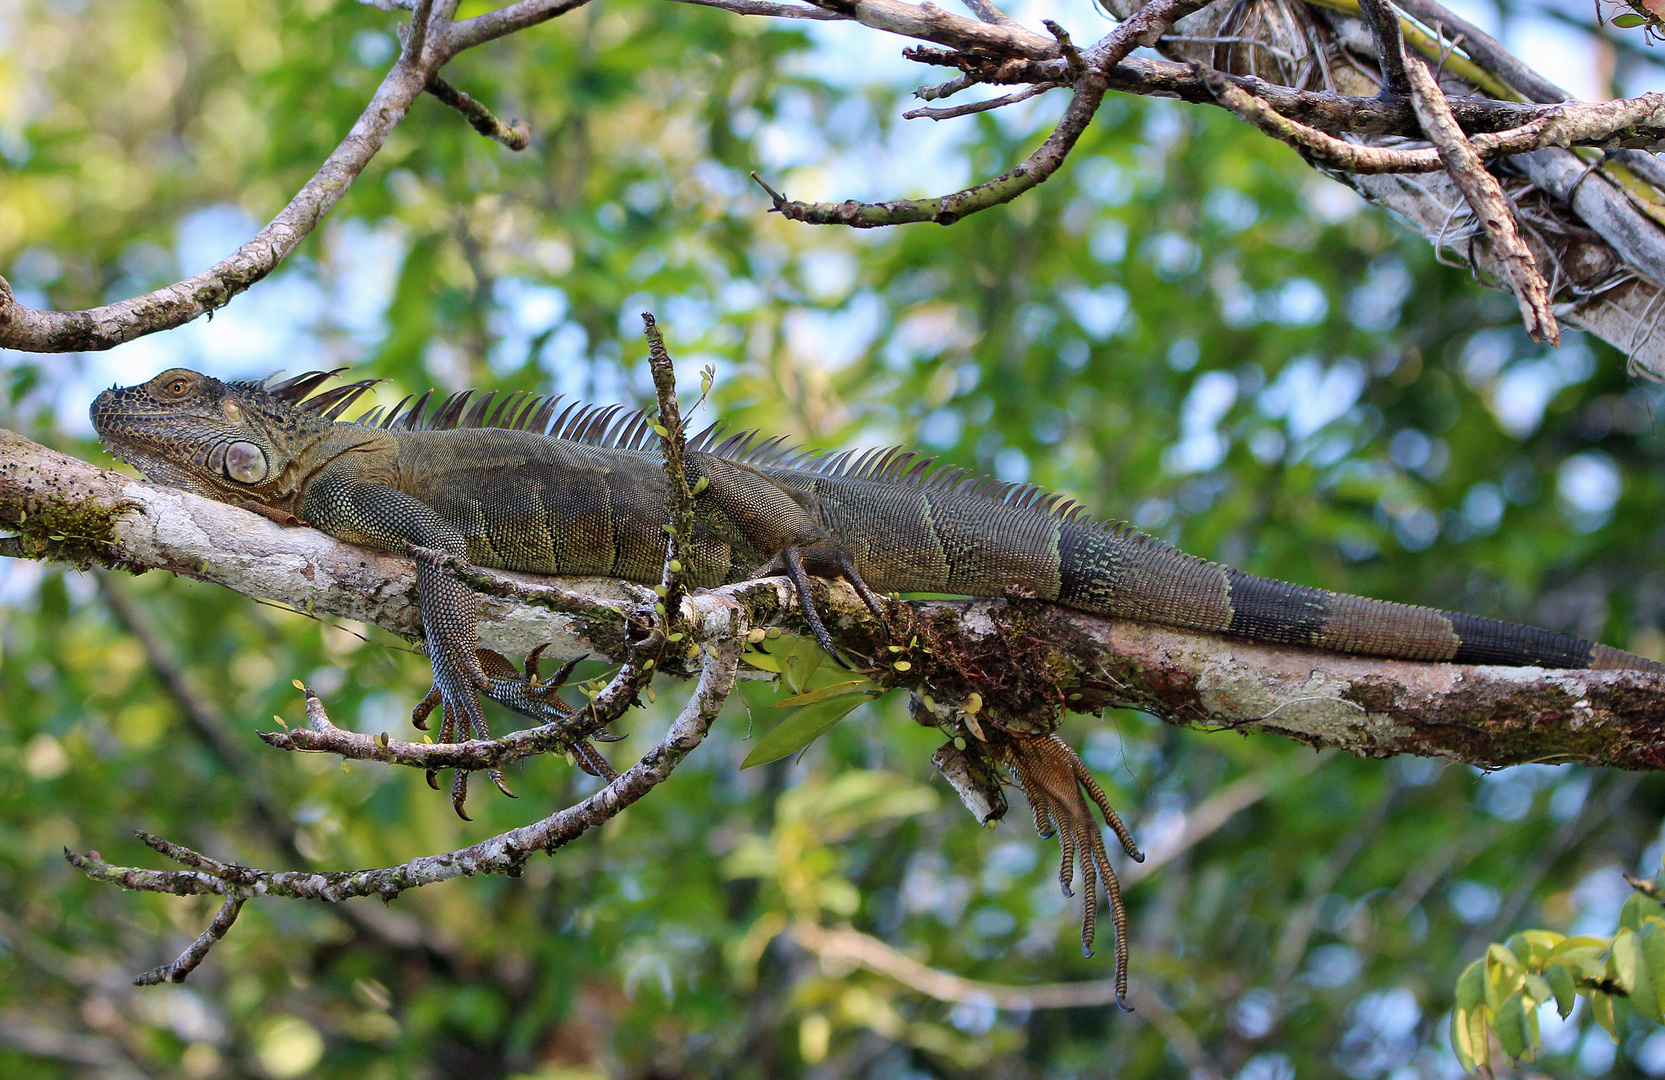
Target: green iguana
[(518, 484)]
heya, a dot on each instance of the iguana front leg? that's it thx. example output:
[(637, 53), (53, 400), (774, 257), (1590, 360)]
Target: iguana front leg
[(380, 517)]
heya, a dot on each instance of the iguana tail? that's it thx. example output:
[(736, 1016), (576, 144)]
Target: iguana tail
[(953, 533), (1115, 570)]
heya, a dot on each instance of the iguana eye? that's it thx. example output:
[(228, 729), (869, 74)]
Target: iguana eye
[(232, 411), (245, 462)]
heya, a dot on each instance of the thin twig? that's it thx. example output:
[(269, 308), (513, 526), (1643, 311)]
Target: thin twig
[(947, 89), (1485, 197), (1383, 22), (1547, 130), (505, 853), (1086, 72), (851, 946), (989, 13), (104, 327), (980, 106), (769, 8), (516, 135), (1487, 51), (188, 960), (505, 20)]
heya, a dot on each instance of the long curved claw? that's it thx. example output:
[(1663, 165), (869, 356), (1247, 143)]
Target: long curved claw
[(847, 568), (1053, 777), (590, 760), (523, 693), (459, 793), (419, 715), (793, 563), (496, 777)]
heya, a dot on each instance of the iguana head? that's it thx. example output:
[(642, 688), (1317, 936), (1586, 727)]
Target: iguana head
[(238, 442)]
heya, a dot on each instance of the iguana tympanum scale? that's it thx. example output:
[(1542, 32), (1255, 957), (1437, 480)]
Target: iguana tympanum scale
[(510, 483)]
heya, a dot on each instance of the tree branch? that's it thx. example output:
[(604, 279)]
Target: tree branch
[(505, 20), (1479, 187), (516, 136), (1085, 72), (505, 853), (32, 330), (65, 509), (431, 41)]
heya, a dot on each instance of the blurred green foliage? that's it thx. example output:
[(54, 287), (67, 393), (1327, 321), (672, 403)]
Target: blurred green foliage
[(1185, 327)]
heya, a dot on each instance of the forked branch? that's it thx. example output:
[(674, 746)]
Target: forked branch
[(505, 853)]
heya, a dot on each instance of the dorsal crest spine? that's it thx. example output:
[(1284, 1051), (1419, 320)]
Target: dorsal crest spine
[(618, 428)]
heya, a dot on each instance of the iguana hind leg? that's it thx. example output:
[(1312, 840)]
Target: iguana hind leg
[(799, 563), (1053, 777)]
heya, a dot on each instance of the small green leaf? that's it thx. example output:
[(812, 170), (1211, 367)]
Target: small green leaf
[(1637, 908), (854, 686), (1651, 941), (1644, 994), (799, 663), (1471, 986), (801, 728), (1511, 1027), (1469, 1038), (1537, 991), (1628, 21), (1560, 982), (1625, 964), (1534, 946), (1601, 1007), (762, 661), (1586, 959), (1502, 954)]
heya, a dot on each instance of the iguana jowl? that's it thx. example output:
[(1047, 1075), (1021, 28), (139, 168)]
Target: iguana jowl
[(508, 483)]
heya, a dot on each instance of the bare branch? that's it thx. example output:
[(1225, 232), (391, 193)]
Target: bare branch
[(505, 20), (1390, 44), (1085, 72), (1485, 198), (505, 853), (516, 136), (980, 106), (1486, 51), (989, 13), (188, 960), (768, 7), (930, 23), (103, 327), (1562, 126), (847, 947)]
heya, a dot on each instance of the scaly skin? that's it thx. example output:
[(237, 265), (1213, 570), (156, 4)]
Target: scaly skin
[(592, 502)]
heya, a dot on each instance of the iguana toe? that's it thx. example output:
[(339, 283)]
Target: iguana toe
[(1053, 778)]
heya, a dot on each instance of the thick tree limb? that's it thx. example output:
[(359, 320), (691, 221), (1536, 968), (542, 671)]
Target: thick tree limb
[(1487, 716)]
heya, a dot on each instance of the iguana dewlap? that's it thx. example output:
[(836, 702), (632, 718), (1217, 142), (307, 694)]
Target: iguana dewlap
[(512, 483)]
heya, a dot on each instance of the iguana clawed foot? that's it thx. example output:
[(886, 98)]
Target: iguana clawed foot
[(1053, 777), (823, 562), (521, 691)]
